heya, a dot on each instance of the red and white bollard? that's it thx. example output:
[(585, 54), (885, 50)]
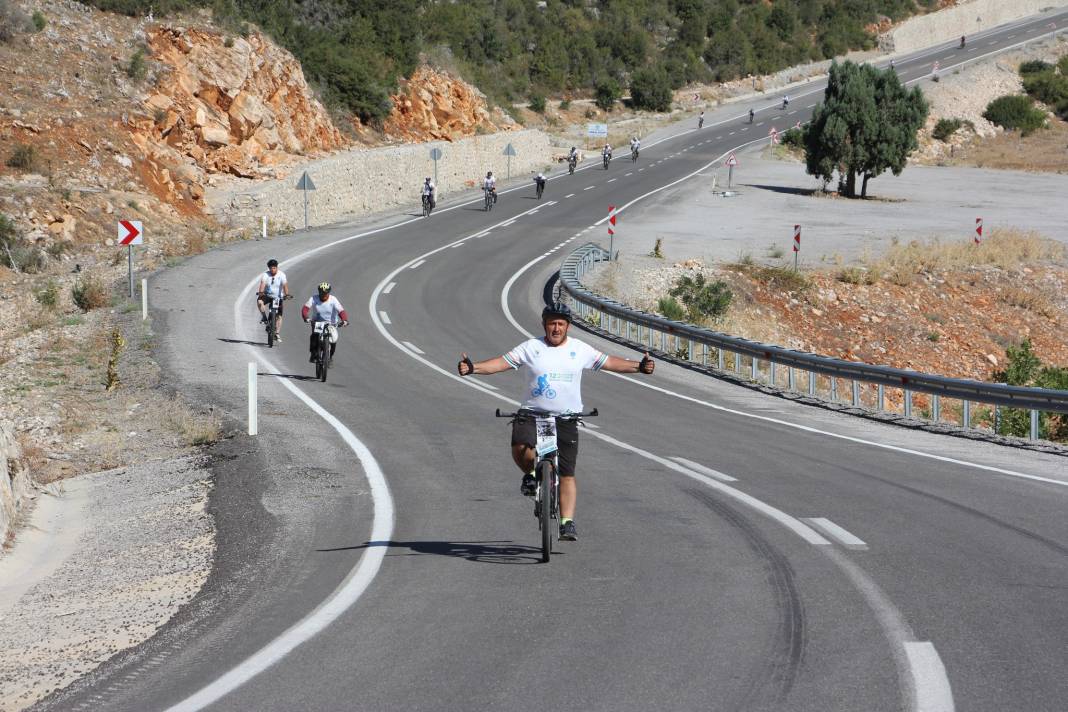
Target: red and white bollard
[(611, 232), (797, 244), (978, 230)]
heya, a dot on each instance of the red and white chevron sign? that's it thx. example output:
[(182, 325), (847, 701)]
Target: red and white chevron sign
[(611, 220), (978, 230), (774, 133), (797, 238), (131, 232)]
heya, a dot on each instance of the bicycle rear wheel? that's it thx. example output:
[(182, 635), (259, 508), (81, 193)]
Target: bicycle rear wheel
[(324, 355), (548, 494), (271, 329)]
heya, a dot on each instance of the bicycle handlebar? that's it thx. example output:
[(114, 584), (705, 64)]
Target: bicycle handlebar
[(538, 413)]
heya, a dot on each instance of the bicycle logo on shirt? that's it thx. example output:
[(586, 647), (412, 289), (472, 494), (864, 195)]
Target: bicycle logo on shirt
[(543, 389)]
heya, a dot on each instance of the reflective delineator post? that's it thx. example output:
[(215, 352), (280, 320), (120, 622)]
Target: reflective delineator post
[(263, 228), (253, 426), (144, 299)]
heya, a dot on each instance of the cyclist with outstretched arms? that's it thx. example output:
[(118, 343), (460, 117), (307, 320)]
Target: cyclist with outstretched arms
[(273, 285), (323, 306), (555, 364)]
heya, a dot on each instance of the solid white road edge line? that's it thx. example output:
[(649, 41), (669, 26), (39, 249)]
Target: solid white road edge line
[(931, 692), (389, 288), (708, 471), (358, 578), (417, 265), (385, 317), (413, 347), (839, 534)]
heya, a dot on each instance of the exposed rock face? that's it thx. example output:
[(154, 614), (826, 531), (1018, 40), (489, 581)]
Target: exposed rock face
[(237, 109), (16, 487), (433, 106)]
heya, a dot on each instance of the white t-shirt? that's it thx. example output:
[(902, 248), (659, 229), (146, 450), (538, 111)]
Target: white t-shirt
[(328, 311), (489, 183), (428, 188), (272, 284), (555, 372)]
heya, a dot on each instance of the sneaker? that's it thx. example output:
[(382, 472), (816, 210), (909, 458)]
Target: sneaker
[(529, 487), (567, 531), (263, 318), (277, 339)]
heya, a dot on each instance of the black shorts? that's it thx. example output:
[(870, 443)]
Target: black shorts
[(267, 303), (523, 433)]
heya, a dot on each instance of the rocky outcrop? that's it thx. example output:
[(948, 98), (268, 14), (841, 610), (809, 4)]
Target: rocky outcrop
[(16, 486), (235, 105), (434, 106)]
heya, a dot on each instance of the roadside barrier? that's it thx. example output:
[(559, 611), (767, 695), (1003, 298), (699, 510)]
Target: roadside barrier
[(796, 371)]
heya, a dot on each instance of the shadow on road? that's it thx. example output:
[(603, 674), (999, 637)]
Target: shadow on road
[(789, 190), (483, 552), (291, 376), (240, 341)]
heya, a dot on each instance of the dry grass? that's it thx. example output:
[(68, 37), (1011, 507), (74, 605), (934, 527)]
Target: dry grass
[(194, 428), (778, 276), (1003, 248), (856, 275), (1030, 300), (90, 293)]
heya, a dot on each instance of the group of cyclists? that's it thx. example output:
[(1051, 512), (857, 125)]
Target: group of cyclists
[(321, 306)]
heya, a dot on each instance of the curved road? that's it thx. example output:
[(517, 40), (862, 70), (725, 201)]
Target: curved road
[(736, 552)]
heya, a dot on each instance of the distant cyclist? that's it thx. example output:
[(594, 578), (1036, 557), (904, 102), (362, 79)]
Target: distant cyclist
[(273, 285), (751, 115), (555, 364), (606, 154), (490, 185), (429, 191), (785, 101), (701, 120), (635, 147), (539, 182), (323, 306)]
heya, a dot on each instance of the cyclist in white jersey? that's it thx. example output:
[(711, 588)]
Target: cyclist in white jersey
[(323, 306), (555, 364), (273, 284)]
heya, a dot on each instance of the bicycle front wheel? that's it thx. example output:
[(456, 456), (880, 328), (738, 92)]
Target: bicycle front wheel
[(271, 330), (548, 495), (324, 355)]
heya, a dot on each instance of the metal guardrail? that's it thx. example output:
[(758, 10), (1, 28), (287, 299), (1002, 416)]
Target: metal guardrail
[(824, 374)]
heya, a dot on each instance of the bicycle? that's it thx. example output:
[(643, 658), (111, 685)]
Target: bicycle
[(571, 165), (326, 335), (428, 205), (607, 158), (546, 471), (633, 155), (491, 198), (272, 319)]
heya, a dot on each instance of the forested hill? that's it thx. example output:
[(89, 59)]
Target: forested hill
[(355, 50)]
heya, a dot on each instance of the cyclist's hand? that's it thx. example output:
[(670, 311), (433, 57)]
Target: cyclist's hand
[(646, 365), (305, 321), (344, 323), (465, 367), (288, 296)]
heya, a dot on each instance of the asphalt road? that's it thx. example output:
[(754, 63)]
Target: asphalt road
[(398, 568)]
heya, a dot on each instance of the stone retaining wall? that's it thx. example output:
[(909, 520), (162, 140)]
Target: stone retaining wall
[(359, 182), (16, 487), (951, 23)]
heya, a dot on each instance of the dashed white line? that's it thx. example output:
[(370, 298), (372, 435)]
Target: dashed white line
[(413, 347), (732, 133), (640, 170), (629, 174), (506, 223), (389, 288), (698, 467), (1012, 37), (589, 187), (458, 244), (950, 56), (718, 137), (843, 537), (481, 234), (569, 195), (418, 264), (791, 113), (384, 317), (612, 180)]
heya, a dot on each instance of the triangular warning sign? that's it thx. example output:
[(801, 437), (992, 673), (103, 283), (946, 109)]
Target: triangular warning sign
[(305, 182)]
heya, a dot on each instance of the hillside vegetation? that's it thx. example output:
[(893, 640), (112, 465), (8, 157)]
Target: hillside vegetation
[(513, 49)]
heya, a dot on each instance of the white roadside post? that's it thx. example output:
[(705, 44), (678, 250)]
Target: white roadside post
[(253, 425), (144, 299), (263, 228)]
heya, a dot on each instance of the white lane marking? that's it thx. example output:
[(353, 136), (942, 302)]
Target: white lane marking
[(931, 690), (589, 187), (791, 113), (389, 288), (417, 265), (384, 317), (708, 471), (569, 195), (413, 347), (481, 234), (746, 128), (458, 244), (1012, 37), (510, 222), (358, 578), (640, 170), (629, 174), (837, 533), (950, 56), (732, 133), (612, 180), (760, 124)]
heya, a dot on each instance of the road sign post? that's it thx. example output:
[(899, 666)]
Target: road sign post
[(435, 156), (731, 163), (509, 151), (305, 183), (611, 232), (130, 233), (978, 230), (797, 244), (595, 131)]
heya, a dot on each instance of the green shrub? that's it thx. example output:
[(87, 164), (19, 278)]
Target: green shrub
[(855, 275), (48, 294), (1015, 111), (1035, 66), (537, 103), (650, 89), (1047, 87), (24, 156), (1062, 65), (795, 138), (137, 68), (669, 308), (89, 293), (703, 300), (228, 42), (946, 128), (606, 94), (565, 105), (39, 20), (1024, 368)]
